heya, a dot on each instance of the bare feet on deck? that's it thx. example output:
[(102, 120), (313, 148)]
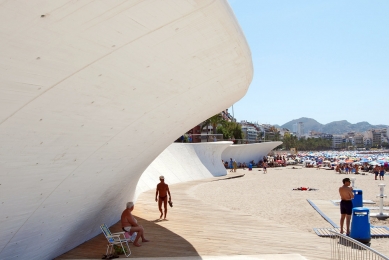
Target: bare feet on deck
[(136, 244), (145, 240), (160, 217)]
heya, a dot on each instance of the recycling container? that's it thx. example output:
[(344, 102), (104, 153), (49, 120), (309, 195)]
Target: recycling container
[(360, 225), (250, 166), (358, 198)]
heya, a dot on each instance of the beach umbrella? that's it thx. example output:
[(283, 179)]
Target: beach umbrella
[(341, 161), (291, 162), (374, 163), (342, 157), (381, 161), (349, 161), (356, 163), (326, 161)]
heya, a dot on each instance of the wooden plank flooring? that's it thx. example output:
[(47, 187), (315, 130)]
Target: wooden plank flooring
[(196, 228), (375, 232)]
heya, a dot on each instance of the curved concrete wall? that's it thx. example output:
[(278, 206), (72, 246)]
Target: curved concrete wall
[(181, 162), (91, 93), (248, 152)]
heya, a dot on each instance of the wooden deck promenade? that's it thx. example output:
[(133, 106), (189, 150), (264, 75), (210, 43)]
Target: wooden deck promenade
[(196, 228)]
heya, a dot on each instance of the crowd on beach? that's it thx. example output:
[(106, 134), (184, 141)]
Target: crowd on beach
[(341, 162), (349, 163)]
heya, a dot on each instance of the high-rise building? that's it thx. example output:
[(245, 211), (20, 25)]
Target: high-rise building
[(337, 141), (298, 129)]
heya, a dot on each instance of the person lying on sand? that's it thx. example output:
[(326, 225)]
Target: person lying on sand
[(305, 188)]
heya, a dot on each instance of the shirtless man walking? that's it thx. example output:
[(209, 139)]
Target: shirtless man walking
[(162, 191), (129, 224), (346, 204)]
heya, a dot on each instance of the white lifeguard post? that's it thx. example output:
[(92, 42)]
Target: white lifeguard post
[(381, 214)]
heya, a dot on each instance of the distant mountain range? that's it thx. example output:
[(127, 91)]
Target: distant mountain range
[(336, 127)]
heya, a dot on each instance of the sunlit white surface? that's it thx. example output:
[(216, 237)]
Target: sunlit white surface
[(91, 92), (248, 152), (181, 162)]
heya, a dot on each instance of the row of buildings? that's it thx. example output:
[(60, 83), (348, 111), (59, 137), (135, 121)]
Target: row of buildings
[(255, 132), (371, 138), (367, 139)]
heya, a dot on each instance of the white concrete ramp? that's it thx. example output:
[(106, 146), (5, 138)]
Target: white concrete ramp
[(249, 152), (181, 162)]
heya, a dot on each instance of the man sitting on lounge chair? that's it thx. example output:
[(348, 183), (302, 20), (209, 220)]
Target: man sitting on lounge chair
[(130, 224)]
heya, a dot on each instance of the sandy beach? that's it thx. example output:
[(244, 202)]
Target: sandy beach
[(271, 196)]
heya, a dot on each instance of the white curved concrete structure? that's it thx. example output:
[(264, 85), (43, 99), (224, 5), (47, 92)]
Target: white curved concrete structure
[(181, 162), (248, 152), (91, 92)]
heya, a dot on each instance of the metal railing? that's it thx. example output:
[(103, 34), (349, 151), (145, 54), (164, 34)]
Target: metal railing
[(196, 138), (344, 247)]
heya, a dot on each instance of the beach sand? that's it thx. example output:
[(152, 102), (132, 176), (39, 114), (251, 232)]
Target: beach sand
[(271, 196)]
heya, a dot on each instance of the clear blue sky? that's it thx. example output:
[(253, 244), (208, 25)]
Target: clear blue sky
[(322, 59)]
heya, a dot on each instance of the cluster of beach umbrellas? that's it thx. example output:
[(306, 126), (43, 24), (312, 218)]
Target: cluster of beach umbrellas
[(348, 157)]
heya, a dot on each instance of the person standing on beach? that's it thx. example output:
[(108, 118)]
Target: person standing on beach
[(161, 196), (376, 171), (346, 205), (382, 172), (231, 164), (264, 167), (234, 165)]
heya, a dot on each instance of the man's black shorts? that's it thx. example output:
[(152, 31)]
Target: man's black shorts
[(346, 207)]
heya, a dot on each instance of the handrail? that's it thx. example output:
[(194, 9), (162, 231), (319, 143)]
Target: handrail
[(345, 247), (219, 137)]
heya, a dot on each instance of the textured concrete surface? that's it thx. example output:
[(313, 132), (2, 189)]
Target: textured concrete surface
[(91, 92)]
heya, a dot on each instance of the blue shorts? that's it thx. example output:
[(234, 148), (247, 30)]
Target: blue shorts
[(382, 173), (346, 207)]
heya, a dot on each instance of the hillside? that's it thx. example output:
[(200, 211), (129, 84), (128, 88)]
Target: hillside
[(336, 127)]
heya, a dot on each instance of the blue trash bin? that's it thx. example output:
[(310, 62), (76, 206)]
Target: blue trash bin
[(358, 198), (360, 225), (250, 166)]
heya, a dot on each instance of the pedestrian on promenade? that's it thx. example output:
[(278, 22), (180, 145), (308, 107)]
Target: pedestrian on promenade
[(161, 194)]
